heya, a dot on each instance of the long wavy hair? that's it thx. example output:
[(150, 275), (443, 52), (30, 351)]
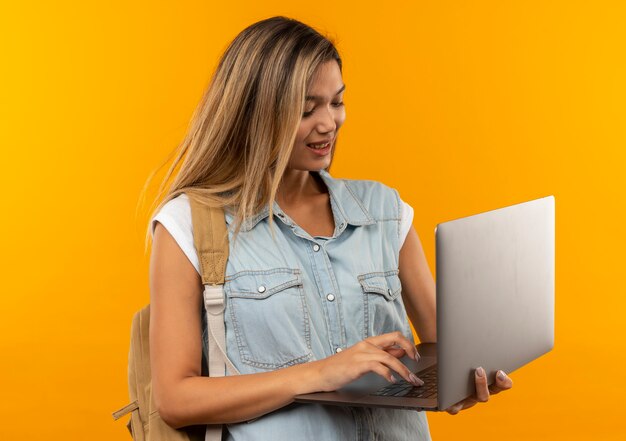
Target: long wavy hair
[(240, 137)]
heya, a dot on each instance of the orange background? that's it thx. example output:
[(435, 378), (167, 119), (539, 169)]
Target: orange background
[(462, 106)]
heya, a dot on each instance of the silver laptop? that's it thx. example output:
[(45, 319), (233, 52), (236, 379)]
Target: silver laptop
[(495, 309)]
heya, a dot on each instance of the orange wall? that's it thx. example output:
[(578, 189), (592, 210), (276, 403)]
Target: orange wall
[(462, 106)]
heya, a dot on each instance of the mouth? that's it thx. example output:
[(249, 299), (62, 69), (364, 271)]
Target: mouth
[(321, 144), (321, 148)]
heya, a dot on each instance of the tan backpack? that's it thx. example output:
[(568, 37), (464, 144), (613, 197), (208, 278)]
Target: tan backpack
[(145, 424)]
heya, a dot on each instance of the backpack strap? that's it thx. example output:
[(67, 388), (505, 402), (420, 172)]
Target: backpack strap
[(210, 238), (125, 410), (211, 241)]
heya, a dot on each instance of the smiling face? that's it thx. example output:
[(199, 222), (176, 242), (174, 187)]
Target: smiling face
[(324, 115)]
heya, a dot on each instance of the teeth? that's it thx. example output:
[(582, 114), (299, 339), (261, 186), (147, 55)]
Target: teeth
[(318, 146)]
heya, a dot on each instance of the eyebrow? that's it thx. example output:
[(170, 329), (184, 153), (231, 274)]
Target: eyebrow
[(317, 97)]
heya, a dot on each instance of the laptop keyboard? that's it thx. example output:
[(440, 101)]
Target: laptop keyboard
[(403, 388)]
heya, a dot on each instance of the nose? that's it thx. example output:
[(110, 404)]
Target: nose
[(326, 122)]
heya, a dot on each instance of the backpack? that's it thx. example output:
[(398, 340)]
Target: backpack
[(145, 424)]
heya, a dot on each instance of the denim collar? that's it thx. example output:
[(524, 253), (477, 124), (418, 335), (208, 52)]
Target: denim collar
[(344, 202)]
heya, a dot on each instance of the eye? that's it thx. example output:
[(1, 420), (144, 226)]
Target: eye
[(306, 114)]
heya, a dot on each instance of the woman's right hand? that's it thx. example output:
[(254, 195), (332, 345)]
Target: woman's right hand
[(377, 354)]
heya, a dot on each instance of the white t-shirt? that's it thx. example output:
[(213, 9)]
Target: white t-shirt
[(175, 216)]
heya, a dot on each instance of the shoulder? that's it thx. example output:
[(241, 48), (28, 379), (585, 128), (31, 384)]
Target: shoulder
[(175, 216), (179, 204), (381, 201), (176, 211)]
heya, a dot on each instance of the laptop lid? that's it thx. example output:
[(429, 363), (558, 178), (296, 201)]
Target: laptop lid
[(495, 293)]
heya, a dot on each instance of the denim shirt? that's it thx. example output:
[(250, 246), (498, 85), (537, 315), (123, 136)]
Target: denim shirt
[(292, 298)]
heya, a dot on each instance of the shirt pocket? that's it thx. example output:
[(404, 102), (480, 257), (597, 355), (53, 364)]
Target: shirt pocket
[(269, 317), (383, 309)]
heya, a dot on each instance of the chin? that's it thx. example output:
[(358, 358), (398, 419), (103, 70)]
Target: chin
[(310, 166)]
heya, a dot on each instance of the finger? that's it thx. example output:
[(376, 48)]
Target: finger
[(482, 391), (461, 405), (493, 389), (469, 403), (395, 364), (454, 409), (382, 370), (503, 382), (392, 339), (395, 338), (396, 352)]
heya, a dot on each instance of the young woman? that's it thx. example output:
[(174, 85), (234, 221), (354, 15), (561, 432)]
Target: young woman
[(260, 145)]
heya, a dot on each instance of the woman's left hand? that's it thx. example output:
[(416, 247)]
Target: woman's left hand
[(503, 382)]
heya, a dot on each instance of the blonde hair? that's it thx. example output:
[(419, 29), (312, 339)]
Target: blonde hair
[(241, 134)]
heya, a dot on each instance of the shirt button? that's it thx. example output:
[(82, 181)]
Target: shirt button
[(316, 247), (389, 291), (330, 297), (338, 350), (341, 225), (261, 288)]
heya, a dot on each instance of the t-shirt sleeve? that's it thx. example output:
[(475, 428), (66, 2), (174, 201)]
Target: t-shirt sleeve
[(406, 221), (175, 216)]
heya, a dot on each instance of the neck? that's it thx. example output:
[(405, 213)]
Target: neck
[(297, 185)]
